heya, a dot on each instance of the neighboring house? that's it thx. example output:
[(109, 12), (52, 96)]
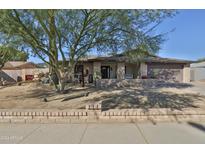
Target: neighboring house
[(121, 67), (198, 71), (20, 71)]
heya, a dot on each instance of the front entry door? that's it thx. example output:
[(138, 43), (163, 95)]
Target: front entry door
[(105, 72)]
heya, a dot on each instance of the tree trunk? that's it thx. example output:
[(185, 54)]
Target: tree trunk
[(83, 80), (137, 70), (61, 81), (61, 85)]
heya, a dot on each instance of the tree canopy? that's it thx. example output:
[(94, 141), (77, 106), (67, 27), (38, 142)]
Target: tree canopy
[(68, 35), (11, 54), (201, 60)]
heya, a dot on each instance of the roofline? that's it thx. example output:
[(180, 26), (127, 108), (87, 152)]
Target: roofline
[(161, 60), (170, 61), (19, 66), (122, 58)]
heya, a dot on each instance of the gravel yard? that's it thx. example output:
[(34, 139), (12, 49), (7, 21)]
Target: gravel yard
[(172, 95)]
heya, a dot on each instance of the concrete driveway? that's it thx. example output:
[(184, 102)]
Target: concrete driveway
[(103, 133), (198, 87)]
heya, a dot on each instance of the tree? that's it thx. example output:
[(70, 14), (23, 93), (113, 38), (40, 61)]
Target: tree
[(11, 54), (65, 36), (201, 60)]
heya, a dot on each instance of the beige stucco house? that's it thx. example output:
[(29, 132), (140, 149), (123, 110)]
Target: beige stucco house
[(120, 67), (109, 69), (20, 71)]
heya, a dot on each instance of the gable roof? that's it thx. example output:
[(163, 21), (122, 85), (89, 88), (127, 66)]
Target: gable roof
[(27, 65), (147, 59), (14, 65)]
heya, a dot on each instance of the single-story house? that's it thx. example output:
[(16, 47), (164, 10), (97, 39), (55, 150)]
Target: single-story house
[(122, 67), (20, 71), (116, 67), (197, 71)]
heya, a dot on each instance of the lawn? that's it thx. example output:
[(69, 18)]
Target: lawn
[(169, 95)]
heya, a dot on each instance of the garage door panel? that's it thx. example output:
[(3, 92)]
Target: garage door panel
[(171, 72)]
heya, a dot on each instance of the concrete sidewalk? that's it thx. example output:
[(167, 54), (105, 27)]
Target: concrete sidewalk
[(103, 133)]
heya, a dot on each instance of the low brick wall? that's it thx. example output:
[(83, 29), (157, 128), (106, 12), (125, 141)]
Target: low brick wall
[(25, 116), (154, 115), (94, 106), (95, 115)]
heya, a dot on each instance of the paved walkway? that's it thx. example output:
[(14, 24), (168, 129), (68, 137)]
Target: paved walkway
[(103, 133)]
